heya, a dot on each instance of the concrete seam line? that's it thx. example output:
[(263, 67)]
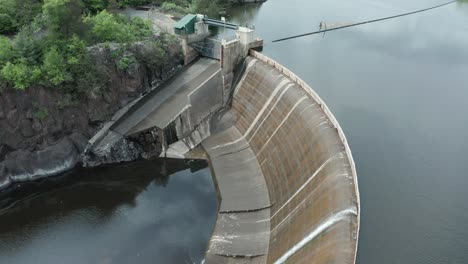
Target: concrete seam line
[(317, 231), (297, 207), (203, 83), (307, 182), (281, 124), (271, 109), (330, 115), (259, 115)]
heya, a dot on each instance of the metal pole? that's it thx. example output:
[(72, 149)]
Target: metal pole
[(224, 25)]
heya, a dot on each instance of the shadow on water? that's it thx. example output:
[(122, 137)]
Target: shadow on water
[(139, 212), (112, 180)]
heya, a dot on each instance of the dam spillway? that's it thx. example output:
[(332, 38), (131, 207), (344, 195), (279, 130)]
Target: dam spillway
[(285, 176)]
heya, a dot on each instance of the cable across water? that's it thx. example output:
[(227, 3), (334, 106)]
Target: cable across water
[(362, 23)]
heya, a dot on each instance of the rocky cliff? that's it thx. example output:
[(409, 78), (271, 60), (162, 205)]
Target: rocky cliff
[(44, 130)]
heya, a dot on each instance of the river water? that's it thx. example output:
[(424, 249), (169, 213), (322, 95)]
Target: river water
[(141, 212), (399, 89)]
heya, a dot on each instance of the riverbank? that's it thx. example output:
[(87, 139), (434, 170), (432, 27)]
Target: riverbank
[(44, 132)]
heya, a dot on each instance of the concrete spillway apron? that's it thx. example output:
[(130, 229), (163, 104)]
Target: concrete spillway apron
[(161, 106), (285, 174)]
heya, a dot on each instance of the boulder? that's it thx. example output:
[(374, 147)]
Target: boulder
[(24, 165)]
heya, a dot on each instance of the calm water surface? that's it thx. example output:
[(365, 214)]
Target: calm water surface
[(142, 212), (399, 89)]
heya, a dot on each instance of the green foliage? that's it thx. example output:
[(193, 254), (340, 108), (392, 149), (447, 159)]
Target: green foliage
[(7, 6), (140, 28), (123, 59), (20, 74), (125, 62), (107, 27), (26, 11), (55, 67), (63, 16), (89, 78), (170, 7), (28, 44), (95, 6), (6, 50), (52, 36), (15, 14), (6, 24), (75, 50), (154, 52), (154, 56)]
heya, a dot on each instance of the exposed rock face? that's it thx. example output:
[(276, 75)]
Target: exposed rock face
[(43, 131), (150, 142), (114, 148), (120, 150), (24, 165)]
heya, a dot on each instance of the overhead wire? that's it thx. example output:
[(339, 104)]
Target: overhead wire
[(362, 23)]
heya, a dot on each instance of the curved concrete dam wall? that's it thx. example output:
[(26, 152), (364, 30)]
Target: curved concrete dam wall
[(285, 174)]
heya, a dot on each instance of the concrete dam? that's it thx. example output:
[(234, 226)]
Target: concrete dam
[(285, 176)]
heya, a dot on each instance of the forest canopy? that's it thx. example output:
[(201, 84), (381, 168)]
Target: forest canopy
[(45, 42)]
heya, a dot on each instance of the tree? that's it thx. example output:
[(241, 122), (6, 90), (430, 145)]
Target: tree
[(28, 44), (6, 50), (170, 7), (15, 14), (75, 50), (26, 11), (55, 67), (7, 20), (6, 24), (20, 74), (108, 27), (95, 6), (139, 29), (63, 16)]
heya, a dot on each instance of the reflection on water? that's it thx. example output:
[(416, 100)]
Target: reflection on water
[(399, 90), (142, 212)]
